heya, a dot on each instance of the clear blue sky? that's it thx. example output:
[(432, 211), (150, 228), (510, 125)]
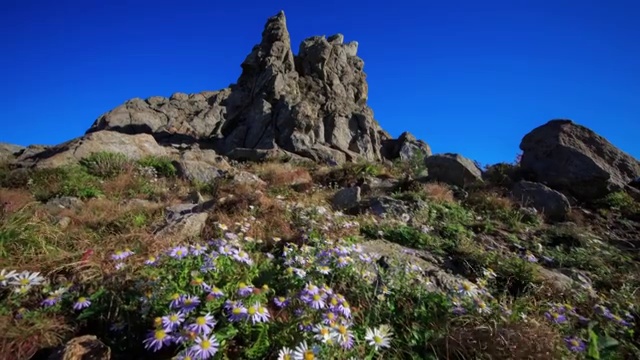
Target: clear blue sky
[(471, 77)]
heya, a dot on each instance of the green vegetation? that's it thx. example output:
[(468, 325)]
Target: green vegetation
[(277, 272)]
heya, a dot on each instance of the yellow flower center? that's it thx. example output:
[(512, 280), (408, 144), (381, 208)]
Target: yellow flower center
[(252, 311), (377, 339), (175, 296), (316, 297), (157, 321), (82, 299), (309, 355), (334, 301), (201, 320), (342, 329), (324, 331), (242, 285), (287, 357), (24, 282), (179, 252), (160, 335), (205, 344), (173, 318), (236, 311)]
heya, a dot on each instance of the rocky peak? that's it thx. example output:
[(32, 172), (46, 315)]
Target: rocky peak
[(313, 104)]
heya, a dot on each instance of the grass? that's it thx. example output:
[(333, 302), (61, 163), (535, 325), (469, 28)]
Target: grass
[(264, 243)]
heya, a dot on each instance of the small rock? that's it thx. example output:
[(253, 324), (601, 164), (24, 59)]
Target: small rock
[(64, 202), (64, 222), (86, 347), (346, 198), (547, 201), (558, 281)]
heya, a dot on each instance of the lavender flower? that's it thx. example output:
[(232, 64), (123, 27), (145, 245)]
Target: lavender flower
[(555, 317), (81, 303), (179, 252), (575, 344), (237, 312), (205, 347), (281, 301), (172, 321), (189, 303), (157, 339), (258, 313), (203, 324), (245, 290)]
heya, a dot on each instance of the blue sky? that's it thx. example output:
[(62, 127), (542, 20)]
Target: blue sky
[(471, 77)]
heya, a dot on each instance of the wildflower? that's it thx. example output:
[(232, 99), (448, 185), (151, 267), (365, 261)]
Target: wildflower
[(237, 312), (176, 300), (215, 292), (151, 260), (466, 288), (489, 273), (81, 303), (329, 318), (303, 352), (121, 254), (242, 257), (205, 348), (556, 317), (172, 321), (185, 355), (617, 318), (344, 261), (324, 270), (179, 252), (258, 313), (344, 336), (203, 324), (189, 303), (157, 339), (198, 249), (379, 337), (285, 354), (50, 301), (5, 276), (120, 266), (575, 344), (27, 279), (317, 301), (244, 289), (323, 333), (459, 310), (481, 306), (281, 301), (345, 309)]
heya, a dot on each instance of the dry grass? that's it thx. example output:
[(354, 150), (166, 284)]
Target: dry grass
[(490, 201), (513, 341), (21, 339), (439, 192), (282, 174), (11, 200)]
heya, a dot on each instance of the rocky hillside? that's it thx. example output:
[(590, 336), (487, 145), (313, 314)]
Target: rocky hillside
[(274, 219)]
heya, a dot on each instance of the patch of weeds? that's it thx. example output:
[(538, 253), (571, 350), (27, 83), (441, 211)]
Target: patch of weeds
[(23, 236), (163, 165), (410, 237), (69, 180), (105, 164), (620, 201)]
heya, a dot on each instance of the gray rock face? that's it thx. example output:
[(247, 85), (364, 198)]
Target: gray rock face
[(547, 201), (452, 169), (313, 104), (9, 152), (405, 147), (133, 146), (570, 157)]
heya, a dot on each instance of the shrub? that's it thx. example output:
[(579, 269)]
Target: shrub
[(105, 164), (64, 181), (162, 164)]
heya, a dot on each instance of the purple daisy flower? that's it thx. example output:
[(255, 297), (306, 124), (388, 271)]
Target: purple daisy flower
[(176, 301), (459, 310), (215, 292), (258, 313), (555, 317), (575, 344), (121, 254), (237, 312), (344, 336), (203, 324), (244, 289), (281, 301), (179, 252), (316, 301), (157, 339), (81, 303), (242, 257), (205, 347), (189, 303), (151, 260), (50, 301), (172, 321), (198, 249)]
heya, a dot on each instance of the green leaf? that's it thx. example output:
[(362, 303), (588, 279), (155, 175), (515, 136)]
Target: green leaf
[(593, 351)]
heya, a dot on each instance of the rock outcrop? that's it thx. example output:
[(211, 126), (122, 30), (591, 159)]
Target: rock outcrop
[(453, 169), (9, 152), (545, 200), (574, 159), (313, 104)]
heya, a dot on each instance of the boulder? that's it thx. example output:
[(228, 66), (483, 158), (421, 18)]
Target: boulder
[(406, 147), (184, 221), (133, 146), (9, 152), (572, 158), (453, 169), (346, 198), (202, 166), (544, 199), (64, 202)]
